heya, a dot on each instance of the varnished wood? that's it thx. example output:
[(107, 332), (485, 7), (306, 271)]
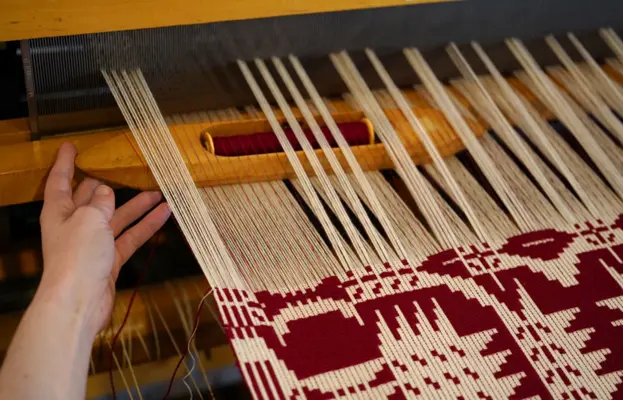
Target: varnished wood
[(161, 295), (14, 131), (215, 354), (160, 371), (119, 161), (24, 166), (44, 18), (190, 289), (112, 155), (20, 263)]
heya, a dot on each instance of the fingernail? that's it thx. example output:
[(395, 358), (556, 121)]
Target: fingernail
[(68, 147), (103, 190)]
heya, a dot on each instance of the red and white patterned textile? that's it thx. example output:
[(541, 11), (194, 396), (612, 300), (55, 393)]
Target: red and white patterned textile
[(540, 315)]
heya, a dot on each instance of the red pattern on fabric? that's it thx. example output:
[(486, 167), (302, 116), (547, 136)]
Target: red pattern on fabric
[(512, 312)]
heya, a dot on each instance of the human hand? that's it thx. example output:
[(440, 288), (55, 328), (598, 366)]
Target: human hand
[(84, 245)]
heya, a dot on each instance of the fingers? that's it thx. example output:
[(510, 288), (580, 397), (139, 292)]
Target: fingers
[(133, 210), (84, 192), (136, 236), (104, 200), (57, 194)]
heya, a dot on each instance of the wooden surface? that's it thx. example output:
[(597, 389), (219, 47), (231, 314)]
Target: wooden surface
[(214, 353), (112, 155), (118, 160), (139, 323), (14, 131), (25, 19), (156, 372), (24, 166)]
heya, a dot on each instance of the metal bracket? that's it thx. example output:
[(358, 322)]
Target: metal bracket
[(30, 90)]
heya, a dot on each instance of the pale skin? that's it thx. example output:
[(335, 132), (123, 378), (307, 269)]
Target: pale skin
[(85, 243)]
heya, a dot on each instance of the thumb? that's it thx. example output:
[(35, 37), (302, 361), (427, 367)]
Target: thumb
[(104, 200)]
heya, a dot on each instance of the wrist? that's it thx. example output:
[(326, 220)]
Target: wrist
[(69, 302)]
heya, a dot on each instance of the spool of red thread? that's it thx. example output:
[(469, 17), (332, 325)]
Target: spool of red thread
[(356, 134)]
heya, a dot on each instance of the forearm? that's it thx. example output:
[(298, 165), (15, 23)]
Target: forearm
[(84, 244), (49, 355)]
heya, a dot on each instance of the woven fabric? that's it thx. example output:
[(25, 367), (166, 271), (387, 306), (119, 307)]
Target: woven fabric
[(538, 315)]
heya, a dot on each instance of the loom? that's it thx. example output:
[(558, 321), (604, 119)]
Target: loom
[(458, 235)]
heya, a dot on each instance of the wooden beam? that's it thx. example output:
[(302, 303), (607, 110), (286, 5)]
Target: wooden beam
[(24, 166), (113, 156), (98, 385), (14, 131), (214, 353), (21, 19), (119, 161), (139, 320)]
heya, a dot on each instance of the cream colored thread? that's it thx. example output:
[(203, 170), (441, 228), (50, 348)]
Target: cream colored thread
[(485, 105), (534, 127), (336, 240), (614, 41), (168, 167), (431, 82), (353, 200), (608, 85), (323, 179), (361, 179), (404, 166), (553, 99), (585, 93)]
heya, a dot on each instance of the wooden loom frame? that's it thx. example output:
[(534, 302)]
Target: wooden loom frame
[(45, 18), (112, 154)]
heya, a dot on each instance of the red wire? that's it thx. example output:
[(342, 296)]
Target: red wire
[(127, 315), (192, 335)]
